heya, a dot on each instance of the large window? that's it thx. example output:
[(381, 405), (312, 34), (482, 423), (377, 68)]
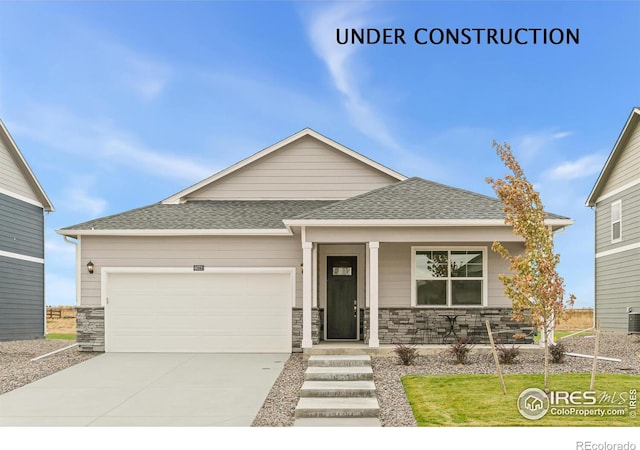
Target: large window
[(616, 221), (449, 277)]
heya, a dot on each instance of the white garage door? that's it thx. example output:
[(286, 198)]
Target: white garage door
[(199, 312)]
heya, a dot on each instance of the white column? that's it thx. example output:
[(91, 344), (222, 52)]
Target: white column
[(373, 294), (307, 297)]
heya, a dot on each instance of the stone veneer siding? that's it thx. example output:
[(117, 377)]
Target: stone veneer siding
[(317, 318), (90, 328), (429, 326)]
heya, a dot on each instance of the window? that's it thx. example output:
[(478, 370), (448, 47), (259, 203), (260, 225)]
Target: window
[(449, 277), (616, 221)]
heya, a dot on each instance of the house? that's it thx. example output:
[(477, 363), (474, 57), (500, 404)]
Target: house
[(22, 206), (616, 199), (304, 242)]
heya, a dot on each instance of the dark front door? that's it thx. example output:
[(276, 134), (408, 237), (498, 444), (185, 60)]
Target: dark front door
[(342, 295)]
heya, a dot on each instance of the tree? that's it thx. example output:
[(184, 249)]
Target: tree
[(534, 286)]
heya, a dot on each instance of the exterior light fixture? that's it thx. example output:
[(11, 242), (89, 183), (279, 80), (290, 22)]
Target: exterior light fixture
[(90, 267)]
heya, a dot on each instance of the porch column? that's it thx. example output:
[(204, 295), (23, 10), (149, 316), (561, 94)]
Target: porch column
[(373, 294), (307, 297)]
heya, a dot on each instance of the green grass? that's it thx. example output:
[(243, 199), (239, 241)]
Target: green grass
[(69, 337), (477, 400)]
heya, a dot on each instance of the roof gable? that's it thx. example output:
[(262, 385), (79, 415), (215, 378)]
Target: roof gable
[(17, 179), (630, 132), (306, 165)]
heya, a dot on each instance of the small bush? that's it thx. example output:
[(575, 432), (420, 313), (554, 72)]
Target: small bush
[(507, 355), (406, 353), (557, 352), (460, 349)]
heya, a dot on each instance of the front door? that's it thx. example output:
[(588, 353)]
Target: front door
[(342, 297)]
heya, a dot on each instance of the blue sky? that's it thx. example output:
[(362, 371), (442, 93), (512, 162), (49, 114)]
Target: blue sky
[(119, 105)]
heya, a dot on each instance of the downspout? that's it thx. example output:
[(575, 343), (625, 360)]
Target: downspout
[(78, 274)]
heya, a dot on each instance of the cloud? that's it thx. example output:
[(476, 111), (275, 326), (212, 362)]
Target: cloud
[(102, 141), (339, 59), (531, 144), (582, 167), (77, 198)]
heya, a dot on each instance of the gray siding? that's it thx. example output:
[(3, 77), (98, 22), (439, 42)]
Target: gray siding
[(21, 299), (627, 167), (617, 287), (21, 227), (630, 220)]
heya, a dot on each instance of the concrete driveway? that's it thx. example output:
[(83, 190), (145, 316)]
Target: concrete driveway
[(147, 389)]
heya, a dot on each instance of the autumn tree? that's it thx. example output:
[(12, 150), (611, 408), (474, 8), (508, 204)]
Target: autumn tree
[(534, 286)]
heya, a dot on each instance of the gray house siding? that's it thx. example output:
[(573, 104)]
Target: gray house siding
[(617, 271), (21, 227), (21, 282), (613, 295), (21, 299)]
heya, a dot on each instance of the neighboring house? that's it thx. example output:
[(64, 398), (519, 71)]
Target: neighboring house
[(304, 242), (22, 206), (616, 198)]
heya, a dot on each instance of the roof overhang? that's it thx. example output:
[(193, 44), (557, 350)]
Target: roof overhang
[(45, 203), (192, 232), (554, 223), (178, 198), (623, 138)]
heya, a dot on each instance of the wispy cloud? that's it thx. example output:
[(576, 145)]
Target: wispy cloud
[(532, 144), (582, 167), (339, 59), (104, 142), (78, 199)]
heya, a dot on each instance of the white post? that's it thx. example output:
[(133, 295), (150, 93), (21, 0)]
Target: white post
[(307, 297), (373, 294)]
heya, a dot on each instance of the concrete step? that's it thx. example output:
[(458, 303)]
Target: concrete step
[(337, 422), (339, 361), (337, 407), (338, 374), (338, 389)]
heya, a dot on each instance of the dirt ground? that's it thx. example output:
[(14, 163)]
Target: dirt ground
[(64, 325), (577, 320)]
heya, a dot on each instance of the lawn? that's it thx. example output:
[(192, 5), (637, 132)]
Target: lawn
[(477, 400), (65, 336)]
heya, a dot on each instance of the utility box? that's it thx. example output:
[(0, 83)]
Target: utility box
[(634, 322)]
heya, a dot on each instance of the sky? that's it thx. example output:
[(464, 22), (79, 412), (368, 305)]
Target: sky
[(120, 105)]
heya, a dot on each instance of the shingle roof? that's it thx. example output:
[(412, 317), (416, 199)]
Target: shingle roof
[(205, 215), (413, 199)]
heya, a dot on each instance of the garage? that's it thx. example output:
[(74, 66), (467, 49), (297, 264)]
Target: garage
[(217, 311)]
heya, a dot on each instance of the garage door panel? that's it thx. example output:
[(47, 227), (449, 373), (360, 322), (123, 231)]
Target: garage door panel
[(199, 312)]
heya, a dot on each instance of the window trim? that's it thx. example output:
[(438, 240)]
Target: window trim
[(619, 204), (485, 276)]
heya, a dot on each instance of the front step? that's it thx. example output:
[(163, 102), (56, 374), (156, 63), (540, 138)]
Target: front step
[(337, 407), (338, 389), (338, 374), (339, 361)]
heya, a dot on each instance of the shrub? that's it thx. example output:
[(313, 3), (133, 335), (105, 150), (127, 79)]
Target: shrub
[(460, 349), (557, 352), (507, 355), (406, 353)]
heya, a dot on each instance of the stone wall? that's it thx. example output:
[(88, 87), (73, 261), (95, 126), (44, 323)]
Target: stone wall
[(90, 328), (317, 318), (431, 326)]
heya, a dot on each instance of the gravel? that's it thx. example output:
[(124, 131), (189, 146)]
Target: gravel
[(279, 406), (395, 411), (17, 369)]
